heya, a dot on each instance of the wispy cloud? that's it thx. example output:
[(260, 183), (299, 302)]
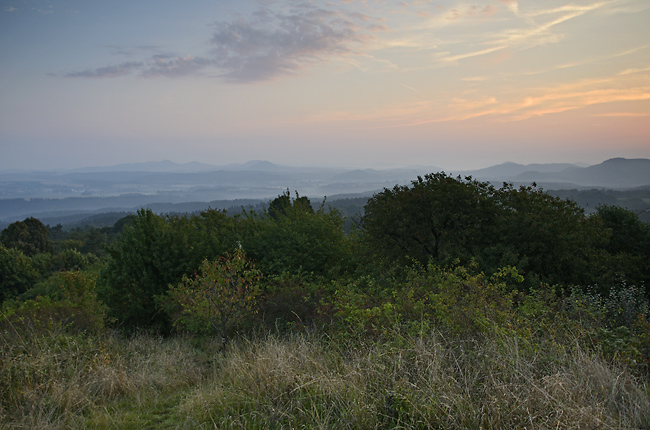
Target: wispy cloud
[(173, 67), (551, 100), (46, 11), (635, 70), (508, 106), (157, 66), (265, 45), (560, 102), (513, 5), (272, 44), (455, 58), (572, 8), (526, 29), (624, 114), (408, 87), (108, 71)]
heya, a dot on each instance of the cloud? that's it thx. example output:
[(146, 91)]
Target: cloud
[(409, 87), (48, 11), (108, 71), (455, 58), (378, 27), (555, 100), (175, 67), (168, 66), (624, 114), (465, 104), (513, 5), (272, 44), (634, 70), (573, 8), (626, 96), (262, 46), (528, 29), (461, 13)]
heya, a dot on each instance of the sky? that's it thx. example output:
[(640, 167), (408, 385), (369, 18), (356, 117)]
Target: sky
[(359, 83)]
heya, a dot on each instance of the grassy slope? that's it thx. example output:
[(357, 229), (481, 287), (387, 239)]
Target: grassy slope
[(425, 381)]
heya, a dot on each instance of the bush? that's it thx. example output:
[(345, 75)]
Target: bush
[(17, 273), (293, 238), (71, 305), (616, 326), (154, 252), (454, 300), (221, 297)]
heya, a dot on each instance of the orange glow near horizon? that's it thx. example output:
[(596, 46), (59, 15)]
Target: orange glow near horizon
[(407, 79)]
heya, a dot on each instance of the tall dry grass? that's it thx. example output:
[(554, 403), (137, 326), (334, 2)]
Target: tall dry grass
[(60, 380), (55, 379), (417, 382)]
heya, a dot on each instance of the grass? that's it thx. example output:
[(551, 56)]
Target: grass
[(58, 380)]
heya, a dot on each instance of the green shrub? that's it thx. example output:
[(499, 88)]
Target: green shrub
[(17, 273), (453, 300), (153, 252), (219, 298), (293, 238), (71, 305)]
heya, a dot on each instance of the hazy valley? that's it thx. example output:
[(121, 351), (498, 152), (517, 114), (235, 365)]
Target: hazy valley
[(68, 197)]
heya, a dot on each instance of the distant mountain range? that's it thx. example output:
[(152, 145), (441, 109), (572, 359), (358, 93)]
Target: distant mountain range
[(616, 173), (612, 173), (167, 166), (128, 186)]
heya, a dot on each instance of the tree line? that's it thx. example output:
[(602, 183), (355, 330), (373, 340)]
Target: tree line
[(292, 264)]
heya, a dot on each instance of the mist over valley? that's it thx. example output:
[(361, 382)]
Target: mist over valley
[(69, 196)]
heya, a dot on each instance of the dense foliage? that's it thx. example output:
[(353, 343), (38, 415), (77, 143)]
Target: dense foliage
[(153, 252), (29, 236), (446, 258), (447, 219)]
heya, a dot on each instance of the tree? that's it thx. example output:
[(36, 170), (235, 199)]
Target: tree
[(67, 301), (628, 233), (550, 237), (437, 217), (627, 247), (292, 237), (134, 274), (447, 219), (220, 297), (17, 273), (282, 205), (153, 252), (30, 236)]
